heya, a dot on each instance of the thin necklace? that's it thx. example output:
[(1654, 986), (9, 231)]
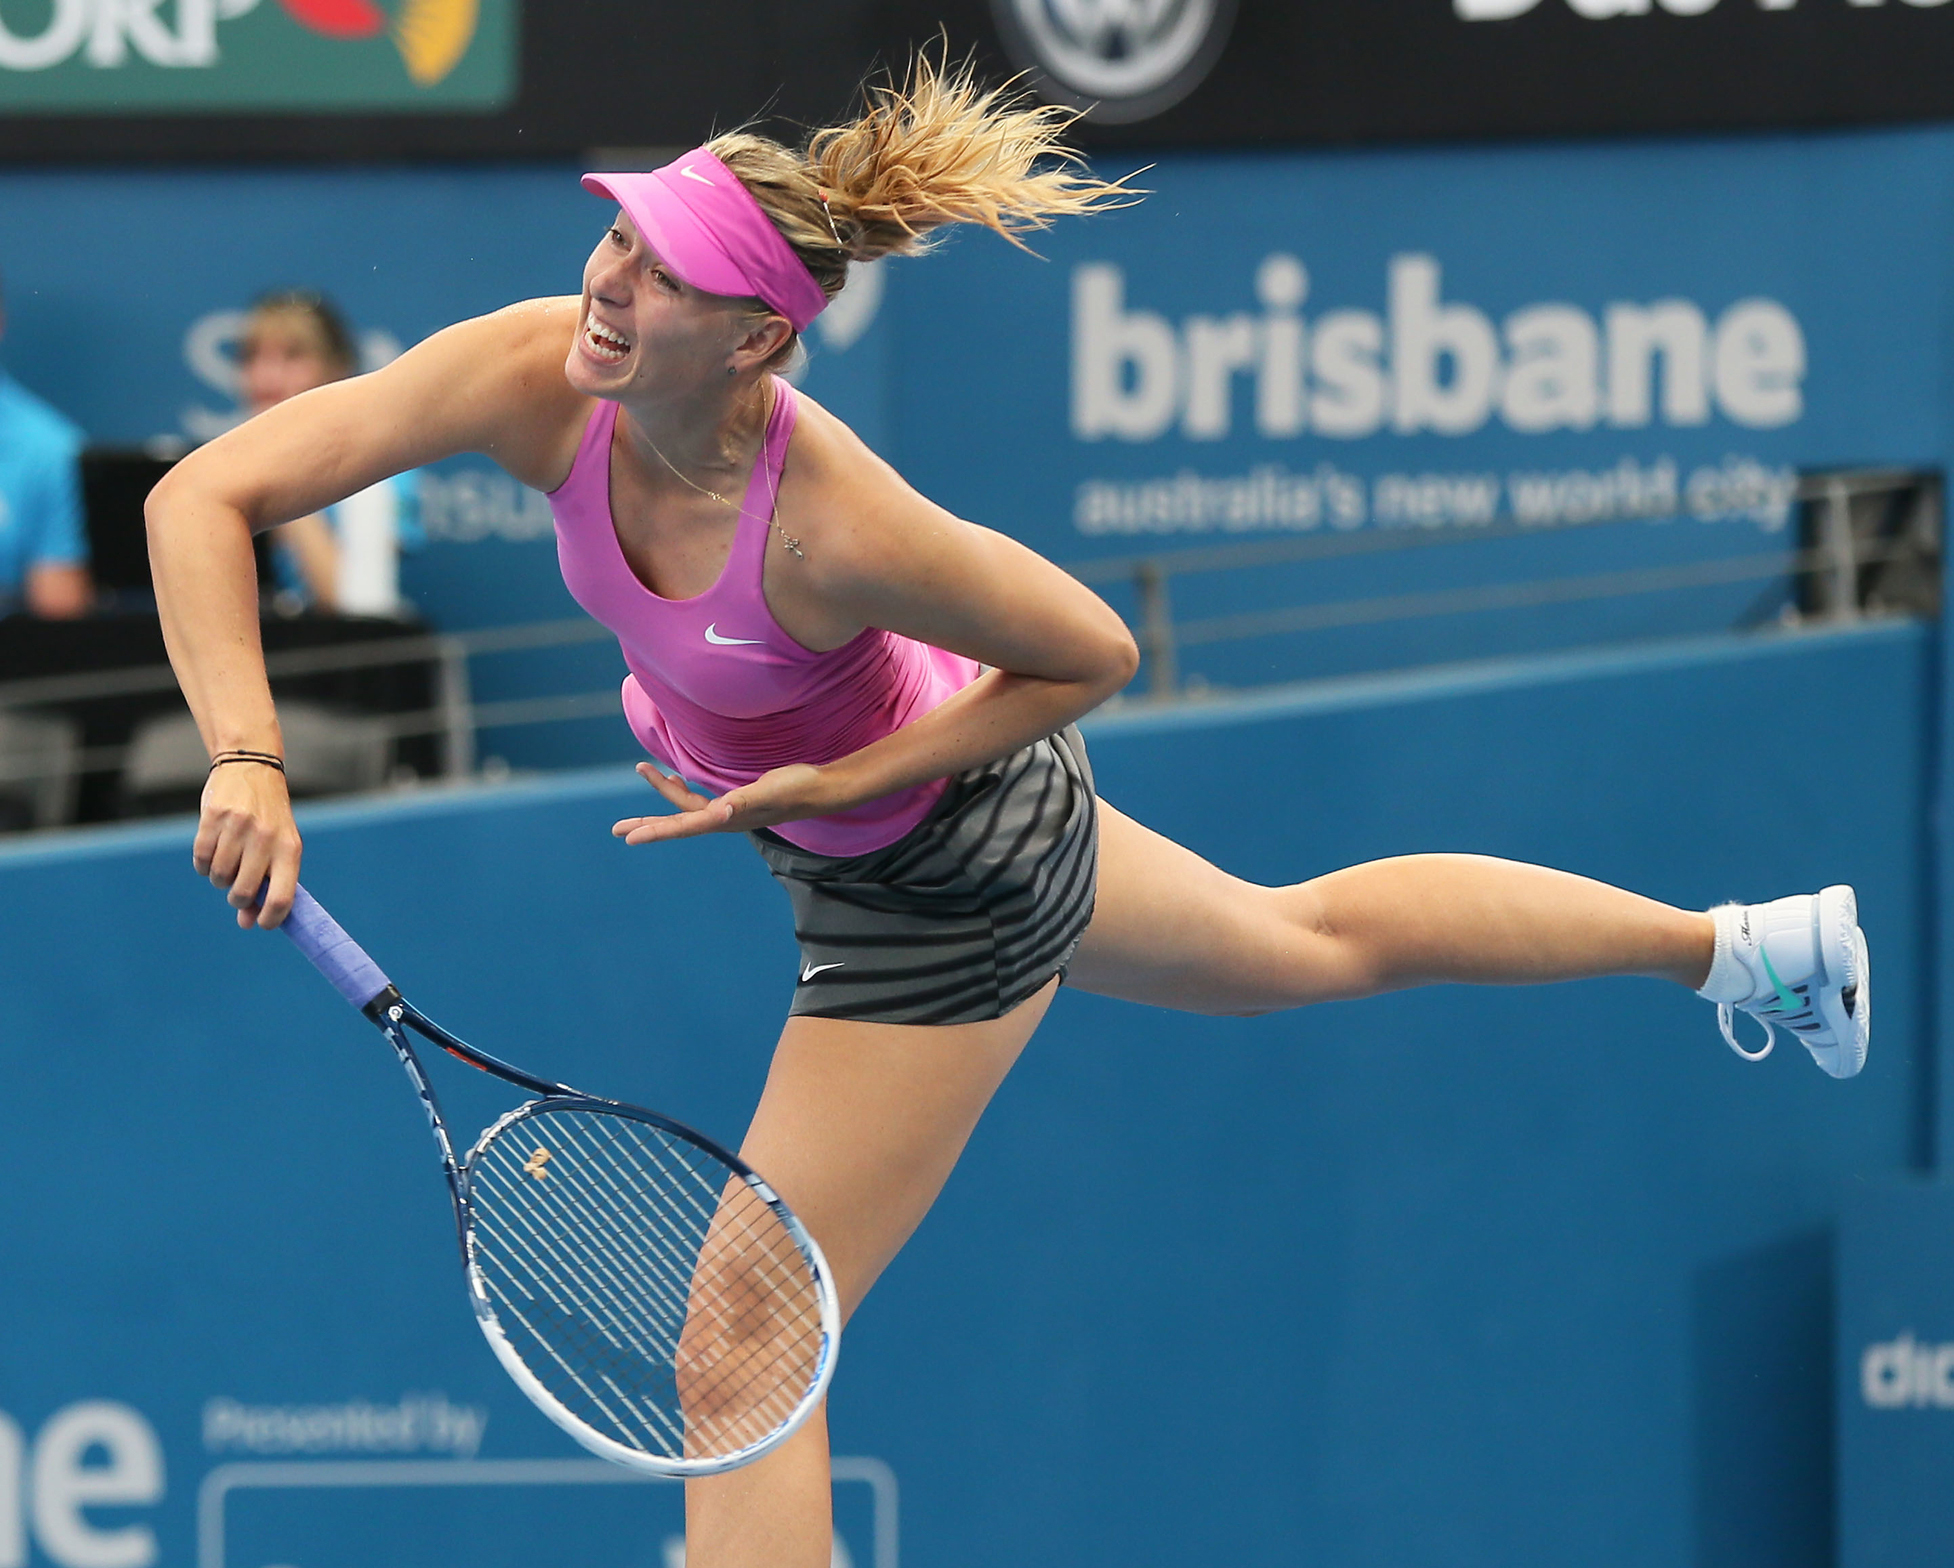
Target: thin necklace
[(714, 494), (787, 540)]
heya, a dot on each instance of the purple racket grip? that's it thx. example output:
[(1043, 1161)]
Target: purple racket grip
[(333, 953)]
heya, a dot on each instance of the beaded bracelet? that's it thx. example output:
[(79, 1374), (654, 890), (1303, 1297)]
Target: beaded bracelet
[(269, 759)]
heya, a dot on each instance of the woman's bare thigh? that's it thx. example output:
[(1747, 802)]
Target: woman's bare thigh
[(860, 1125), (1174, 931)]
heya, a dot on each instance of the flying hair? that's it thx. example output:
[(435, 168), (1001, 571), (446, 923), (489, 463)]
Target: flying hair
[(935, 149)]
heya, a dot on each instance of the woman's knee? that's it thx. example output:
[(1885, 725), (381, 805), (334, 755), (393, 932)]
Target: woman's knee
[(1322, 960), (1285, 953)]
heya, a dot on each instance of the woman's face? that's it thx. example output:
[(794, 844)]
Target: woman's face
[(643, 328), (281, 355)]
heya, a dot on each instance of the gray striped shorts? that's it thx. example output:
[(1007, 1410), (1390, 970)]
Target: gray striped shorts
[(965, 915)]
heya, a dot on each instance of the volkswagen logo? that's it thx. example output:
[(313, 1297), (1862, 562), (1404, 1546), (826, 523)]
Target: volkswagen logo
[(1120, 60)]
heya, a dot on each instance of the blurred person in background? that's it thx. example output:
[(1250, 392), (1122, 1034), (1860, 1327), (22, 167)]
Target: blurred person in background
[(43, 549), (346, 559)]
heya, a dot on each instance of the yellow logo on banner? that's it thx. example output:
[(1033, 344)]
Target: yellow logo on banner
[(431, 35)]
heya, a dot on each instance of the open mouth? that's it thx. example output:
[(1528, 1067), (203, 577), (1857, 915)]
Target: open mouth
[(606, 343)]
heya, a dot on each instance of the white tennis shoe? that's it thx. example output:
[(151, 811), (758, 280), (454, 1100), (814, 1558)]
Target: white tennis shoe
[(1799, 963)]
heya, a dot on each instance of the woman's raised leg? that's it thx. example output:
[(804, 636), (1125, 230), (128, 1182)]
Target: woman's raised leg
[(1172, 930), (858, 1129)]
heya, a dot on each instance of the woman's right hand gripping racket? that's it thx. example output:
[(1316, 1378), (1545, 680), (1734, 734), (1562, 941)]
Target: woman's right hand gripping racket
[(644, 1287)]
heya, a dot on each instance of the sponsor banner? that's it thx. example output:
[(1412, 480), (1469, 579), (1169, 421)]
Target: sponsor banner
[(1516, 339), (192, 56), (1895, 1376), (1310, 344), (1266, 348)]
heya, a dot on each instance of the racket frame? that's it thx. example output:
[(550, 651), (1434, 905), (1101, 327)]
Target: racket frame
[(518, 1369), (325, 943)]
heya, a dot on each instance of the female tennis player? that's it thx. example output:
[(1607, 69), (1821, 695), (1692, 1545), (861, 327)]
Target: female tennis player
[(881, 694)]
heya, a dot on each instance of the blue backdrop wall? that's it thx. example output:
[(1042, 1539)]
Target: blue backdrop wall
[(1450, 1278)]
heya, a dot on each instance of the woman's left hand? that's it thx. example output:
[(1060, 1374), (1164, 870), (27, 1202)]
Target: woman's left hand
[(784, 795)]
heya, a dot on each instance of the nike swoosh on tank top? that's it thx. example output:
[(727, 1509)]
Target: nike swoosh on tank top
[(723, 710)]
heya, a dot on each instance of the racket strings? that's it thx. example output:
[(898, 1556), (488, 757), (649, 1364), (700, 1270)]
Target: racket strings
[(751, 1341), (617, 1314), (753, 1298), (573, 1277), (597, 1327), (598, 1335), (639, 1273), (655, 1295), (752, 1233), (734, 1326)]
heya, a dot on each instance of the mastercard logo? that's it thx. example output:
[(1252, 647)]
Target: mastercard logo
[(431, 35)]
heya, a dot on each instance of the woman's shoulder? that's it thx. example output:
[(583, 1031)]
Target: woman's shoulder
[(510, 362), (527, 342), (855, 511)]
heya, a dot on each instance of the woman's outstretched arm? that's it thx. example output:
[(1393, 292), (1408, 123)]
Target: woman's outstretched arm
[(493, 385)]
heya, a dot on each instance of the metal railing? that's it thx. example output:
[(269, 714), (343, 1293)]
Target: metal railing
[(1830, 563), (455, 717)]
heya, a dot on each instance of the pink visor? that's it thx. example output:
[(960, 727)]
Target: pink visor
[(706, 226)]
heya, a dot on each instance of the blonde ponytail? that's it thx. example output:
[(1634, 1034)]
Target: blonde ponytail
[(936, 149)]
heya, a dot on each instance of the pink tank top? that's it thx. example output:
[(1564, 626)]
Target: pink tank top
[(717, 690)]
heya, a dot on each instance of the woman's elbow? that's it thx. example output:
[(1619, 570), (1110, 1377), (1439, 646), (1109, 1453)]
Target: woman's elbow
[(167, 501), (1119, 661), (185, 491)]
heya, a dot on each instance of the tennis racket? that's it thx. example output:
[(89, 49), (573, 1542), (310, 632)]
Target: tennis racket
[(647, 1289)]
